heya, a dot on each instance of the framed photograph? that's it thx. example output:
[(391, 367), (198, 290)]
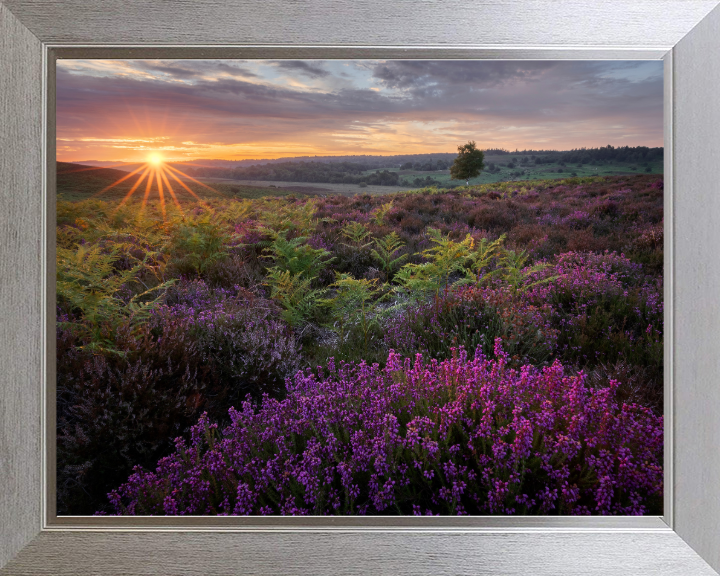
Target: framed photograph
[(498, 347)]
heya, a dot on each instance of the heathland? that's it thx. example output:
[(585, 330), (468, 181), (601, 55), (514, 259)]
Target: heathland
[(488, 349), (346, 175)]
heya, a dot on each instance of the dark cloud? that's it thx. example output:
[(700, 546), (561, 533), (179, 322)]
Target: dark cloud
[(311, 70), (226, 97), (190, 69), (235, 70), (175, 71), (419, 73)]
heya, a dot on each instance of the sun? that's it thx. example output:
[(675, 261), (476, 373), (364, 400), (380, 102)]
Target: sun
[(157, 169), (155, 158)]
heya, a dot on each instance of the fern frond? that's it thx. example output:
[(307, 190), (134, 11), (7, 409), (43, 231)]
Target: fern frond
[(385, 251), (297, 257), (380, 213), (294, 294), (356, 233)]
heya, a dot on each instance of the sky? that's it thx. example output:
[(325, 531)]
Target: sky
[(124, 110)]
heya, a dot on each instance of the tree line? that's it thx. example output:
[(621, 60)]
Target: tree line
[(347, 172)]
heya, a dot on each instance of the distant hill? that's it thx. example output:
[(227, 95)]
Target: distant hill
[(80, 181), (75, 181), (433, 169), (369, 161)]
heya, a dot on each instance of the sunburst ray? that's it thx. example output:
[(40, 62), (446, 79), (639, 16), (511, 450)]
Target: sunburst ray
[(132, 190), (161, 194), (147, 190), (197, 181), (188, 189), (118, 181), (170, 189)]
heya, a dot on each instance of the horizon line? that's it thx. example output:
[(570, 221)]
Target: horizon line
[(516, 151)]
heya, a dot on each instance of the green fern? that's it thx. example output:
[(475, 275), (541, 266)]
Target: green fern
[(385, 252), (235, 211), (280, 216), (380, 213), (353, 303), (485, 255), (515, 271), (200, 241), (294, 294), (417, 280), (446, 258), (356, 233), (297, 257), (145, 244), (88, 285)]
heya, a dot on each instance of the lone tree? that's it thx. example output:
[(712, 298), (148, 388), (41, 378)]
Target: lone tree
[(468, 163)]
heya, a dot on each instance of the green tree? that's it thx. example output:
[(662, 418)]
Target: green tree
[(468, 164)]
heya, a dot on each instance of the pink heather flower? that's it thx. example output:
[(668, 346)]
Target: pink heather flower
[(459, 436)]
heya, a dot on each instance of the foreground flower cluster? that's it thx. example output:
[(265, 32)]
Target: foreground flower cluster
[(453, 437)]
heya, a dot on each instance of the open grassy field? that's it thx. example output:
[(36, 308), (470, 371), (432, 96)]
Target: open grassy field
[(501, 173), (531, 171), (322, 189)]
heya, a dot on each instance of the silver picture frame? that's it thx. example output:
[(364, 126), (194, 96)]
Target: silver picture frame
[(685, 34)]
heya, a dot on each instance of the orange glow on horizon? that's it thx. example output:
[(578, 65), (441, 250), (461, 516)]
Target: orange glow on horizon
[(155, 158)]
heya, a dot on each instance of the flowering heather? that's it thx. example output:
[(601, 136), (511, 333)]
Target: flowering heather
[(248, 232), (237, 332), (550, 424), (548, 220), (577, 219), (474, 317), (583, 272), (597, 309), (318, 241), (606, 309), (454, 437)]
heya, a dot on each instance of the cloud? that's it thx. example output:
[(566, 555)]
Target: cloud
[(303, 67), (420, 73), (172, 70), (235, 70), (236, 107)]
